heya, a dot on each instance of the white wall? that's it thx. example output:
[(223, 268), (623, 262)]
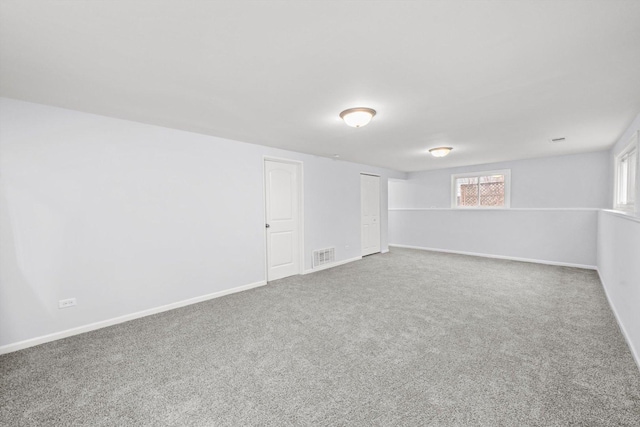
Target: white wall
[(619, 256), (619, 269), (566, 237), (553, 215), (574, 181), (617, 148), (126, 217)]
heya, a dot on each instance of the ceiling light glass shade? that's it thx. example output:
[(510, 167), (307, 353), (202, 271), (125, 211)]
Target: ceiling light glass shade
[(357, 117), (440, 151)]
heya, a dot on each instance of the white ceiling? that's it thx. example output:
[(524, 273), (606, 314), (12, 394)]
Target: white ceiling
[(495, 80)]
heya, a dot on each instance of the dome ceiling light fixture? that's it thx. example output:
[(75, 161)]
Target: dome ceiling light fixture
[(440, 151), (357, 117)]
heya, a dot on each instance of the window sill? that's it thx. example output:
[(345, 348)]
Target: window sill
[(494, 209), (486, 208), (631, 210), (622, 214)]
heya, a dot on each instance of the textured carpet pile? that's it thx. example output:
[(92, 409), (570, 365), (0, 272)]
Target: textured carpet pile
[(404, 338)]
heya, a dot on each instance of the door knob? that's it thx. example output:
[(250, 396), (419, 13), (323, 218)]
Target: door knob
[(267, 225)]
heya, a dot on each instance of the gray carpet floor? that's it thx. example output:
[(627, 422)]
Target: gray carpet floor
[(404, 338)]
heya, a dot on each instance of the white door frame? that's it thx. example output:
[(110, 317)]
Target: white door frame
[(300, 171), (379, 209)]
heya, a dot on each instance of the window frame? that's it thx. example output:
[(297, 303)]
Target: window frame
[(507, 188), (631, 146)]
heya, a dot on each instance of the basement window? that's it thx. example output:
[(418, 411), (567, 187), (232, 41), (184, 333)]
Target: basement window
[(481, 190), (626, 176)]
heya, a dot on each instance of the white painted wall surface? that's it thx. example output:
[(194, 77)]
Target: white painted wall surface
[(553, 215), (619, 255), (618, 147), (619, 269), (575, 181), (126, 217), (553, 236)]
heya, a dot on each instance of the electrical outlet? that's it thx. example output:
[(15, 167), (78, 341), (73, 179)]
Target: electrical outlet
[(64, 303)]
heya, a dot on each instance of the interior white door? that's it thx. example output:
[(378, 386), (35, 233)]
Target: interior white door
[(370, 210), (281, 198)]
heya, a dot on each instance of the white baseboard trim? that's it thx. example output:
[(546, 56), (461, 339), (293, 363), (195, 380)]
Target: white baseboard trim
[(634, 352), (9, 348), (333, 264), (385, 251), (510, 258)]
